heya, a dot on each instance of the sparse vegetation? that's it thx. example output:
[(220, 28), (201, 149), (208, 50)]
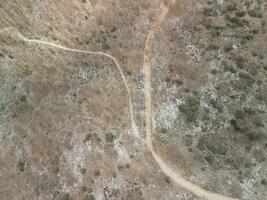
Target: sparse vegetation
[(97, 173), (264, 182), (218, 106), (87, 137), (167, 79), (21, 165), (248, 79), (247, 3), (66, 196), (255, 13), (213, 71), (167, 180), (190, 107), (212, 46), (127, 166), (83, 188), (109, 137), (83, 171), (236, 21), (22, 98), (229, 68), (240, 62), (240, 114), (163, 130), (209, 99), (105, 45), (210, 12), (89, 197), (178, 82), (231, 7), (240, 13), (228, 47), (249, 123), (113, 29)]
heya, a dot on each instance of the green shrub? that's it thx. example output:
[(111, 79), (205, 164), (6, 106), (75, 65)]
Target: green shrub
[(254, 31), (209, 159), (254, 53), (228, 47), (246, 36), (97, 173), (229, 68), (215, 33), (113, 29), (210, 12), (127, 166), (241, 13), (22, 98), (264, 181), (248, 123), (237, 21), (213, 71), (213, 46), (21, 166), (247, 3), (163, 130), (178, 82), (263, 23), (217, 27), (82, 171), (88, 137), (247, 77), (254, 135), (239, 61), (254, 13), (105, 45), (240, 114), (216, 105), (167, 179), (167, 79), (109, 137), (83, 188), (66, 196), (211, 143), (231, 7), (216, 30), (235, 125), (191, 107), (249, 111), (89, 197)]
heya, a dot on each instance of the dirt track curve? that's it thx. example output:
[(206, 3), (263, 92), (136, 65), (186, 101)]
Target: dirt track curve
[(134, 127), (175, 176)]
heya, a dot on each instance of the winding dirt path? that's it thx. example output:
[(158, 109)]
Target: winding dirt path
[(183, 183), (175, 176), (50, 44)]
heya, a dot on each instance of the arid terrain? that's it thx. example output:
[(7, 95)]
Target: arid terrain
[(133, 100)]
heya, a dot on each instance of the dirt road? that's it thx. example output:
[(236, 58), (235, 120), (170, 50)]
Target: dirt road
[(175, 176), (183, 183), (53, 45)]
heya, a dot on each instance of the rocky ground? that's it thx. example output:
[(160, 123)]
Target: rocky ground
[(65, 129)]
